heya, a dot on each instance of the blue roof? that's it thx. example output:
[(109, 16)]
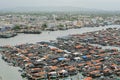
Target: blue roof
[(60, 59), (84, 57)]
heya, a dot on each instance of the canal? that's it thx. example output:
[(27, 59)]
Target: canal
[(11, 73)]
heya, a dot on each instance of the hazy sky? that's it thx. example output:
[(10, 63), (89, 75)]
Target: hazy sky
[(96, 4)]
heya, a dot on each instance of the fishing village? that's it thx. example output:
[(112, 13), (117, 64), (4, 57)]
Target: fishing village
[(68, 56), (68, 45)]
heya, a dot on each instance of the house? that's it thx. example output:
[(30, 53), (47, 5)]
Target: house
[(6, 27), (78, 24), (51, 26), (2, 29)]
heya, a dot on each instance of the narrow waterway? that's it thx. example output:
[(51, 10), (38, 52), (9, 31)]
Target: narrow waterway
[(11, 73)]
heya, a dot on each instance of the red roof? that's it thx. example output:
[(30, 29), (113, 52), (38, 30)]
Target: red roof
[(88, 78)]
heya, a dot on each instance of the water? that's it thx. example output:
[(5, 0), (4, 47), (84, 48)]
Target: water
[(8, 72), (11, 73), (46, 35)]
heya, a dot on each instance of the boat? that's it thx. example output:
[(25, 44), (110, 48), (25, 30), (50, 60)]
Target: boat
[(7, 35), (63, 73), (31, 32)]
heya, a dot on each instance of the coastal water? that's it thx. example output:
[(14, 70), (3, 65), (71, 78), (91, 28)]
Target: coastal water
[(11, 73)]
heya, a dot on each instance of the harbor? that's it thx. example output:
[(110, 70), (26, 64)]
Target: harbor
[(60, 49), (60, 40)]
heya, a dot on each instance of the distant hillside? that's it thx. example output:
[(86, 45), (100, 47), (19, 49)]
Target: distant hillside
[(58, 9), (48, 9)]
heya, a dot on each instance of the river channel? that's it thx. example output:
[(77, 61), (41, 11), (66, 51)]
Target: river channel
[(11, 73)]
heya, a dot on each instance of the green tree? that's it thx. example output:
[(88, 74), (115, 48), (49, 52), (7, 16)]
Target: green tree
[(60, 25), (17, 27), (44, 26)]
